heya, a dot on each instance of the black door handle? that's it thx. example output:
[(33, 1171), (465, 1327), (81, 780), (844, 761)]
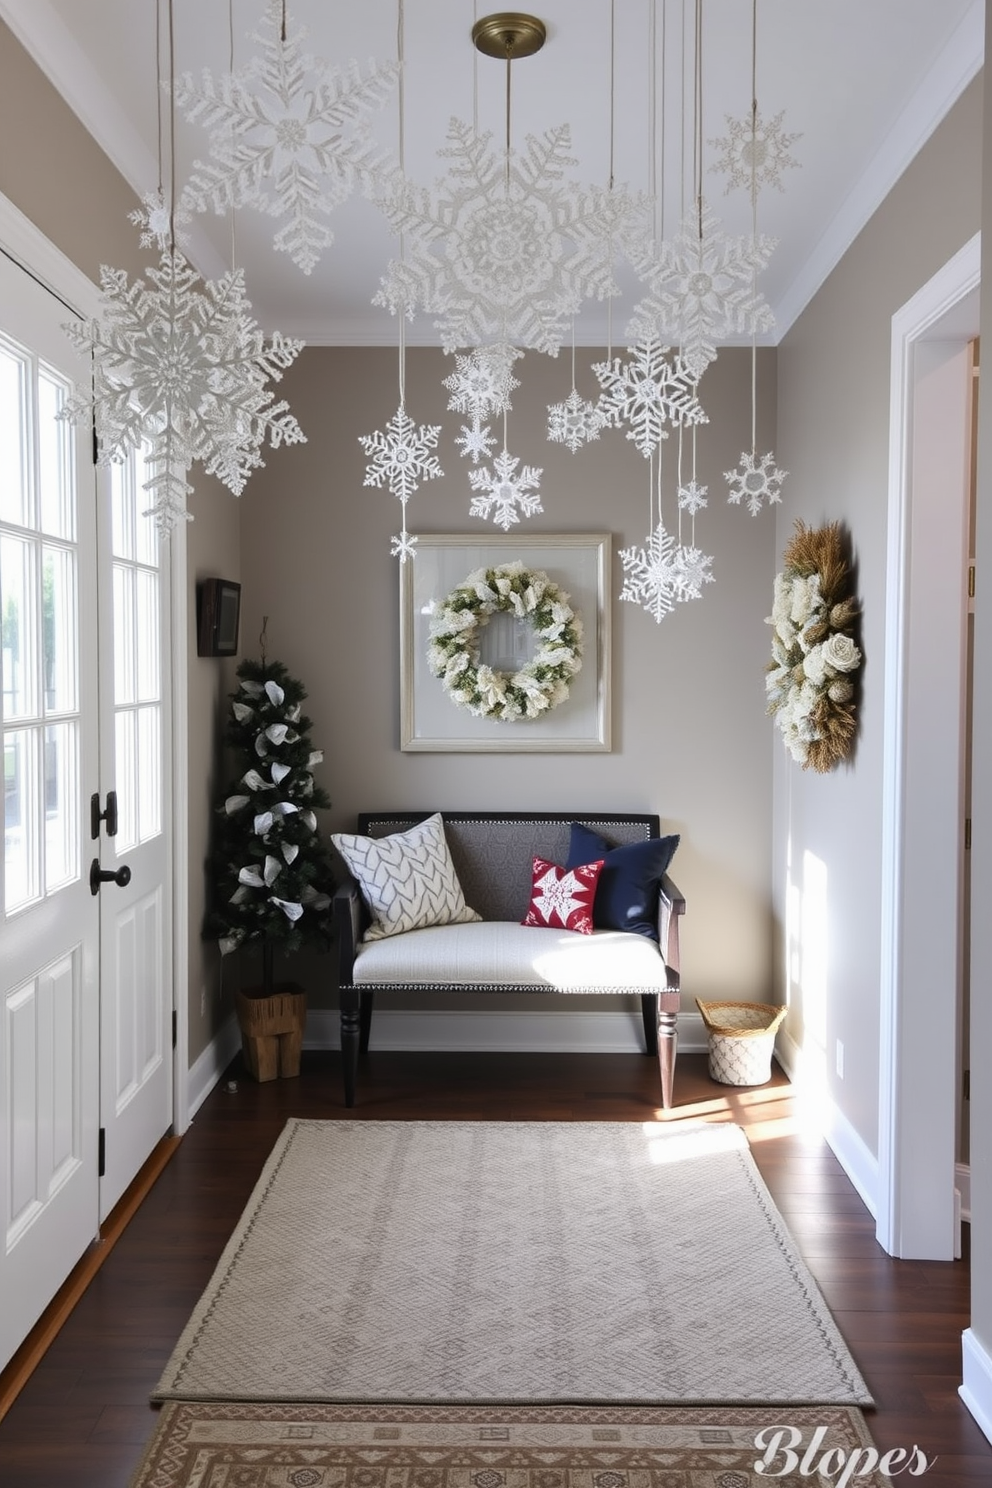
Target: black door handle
[(100, 876), (109, 816)]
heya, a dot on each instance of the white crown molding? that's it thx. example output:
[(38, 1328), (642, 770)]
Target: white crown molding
[(953, 69)]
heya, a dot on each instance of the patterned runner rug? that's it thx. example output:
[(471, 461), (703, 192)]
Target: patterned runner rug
[(541, 1262), (201, 1445)]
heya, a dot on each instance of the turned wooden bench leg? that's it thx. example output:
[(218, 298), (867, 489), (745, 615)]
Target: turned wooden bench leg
[(365, 1023), (667, 1045), (350, 1039)]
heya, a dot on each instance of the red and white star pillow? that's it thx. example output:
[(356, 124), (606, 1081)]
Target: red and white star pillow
[(562, 898)]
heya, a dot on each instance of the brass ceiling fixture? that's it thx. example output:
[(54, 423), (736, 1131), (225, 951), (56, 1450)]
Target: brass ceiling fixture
[(509, 34)]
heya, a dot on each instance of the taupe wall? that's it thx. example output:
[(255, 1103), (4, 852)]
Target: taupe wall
[(833, 430), (691, 739), (53, 170)]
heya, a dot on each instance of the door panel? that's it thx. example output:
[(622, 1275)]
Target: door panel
[(49, 923)]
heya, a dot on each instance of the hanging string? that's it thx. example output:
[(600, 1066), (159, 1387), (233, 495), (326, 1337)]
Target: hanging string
[(172, 133), (282, 28), (680, 483), (661, 185), (613, 76), (754, 228), (475, 73), (698, 120), (682, 93), (234, 213), (158, 92), (509, 73), (653, 115), (401, 147)]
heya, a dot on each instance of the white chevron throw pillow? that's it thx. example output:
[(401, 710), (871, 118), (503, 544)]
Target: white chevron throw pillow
[(407, 880)]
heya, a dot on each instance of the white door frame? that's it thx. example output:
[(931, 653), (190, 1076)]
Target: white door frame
[(922, 827), (47, 263)]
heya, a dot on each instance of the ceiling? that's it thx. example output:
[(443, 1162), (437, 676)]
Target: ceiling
[(863, 82)]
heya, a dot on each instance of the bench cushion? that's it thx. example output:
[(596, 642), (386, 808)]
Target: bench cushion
[(497, 954)]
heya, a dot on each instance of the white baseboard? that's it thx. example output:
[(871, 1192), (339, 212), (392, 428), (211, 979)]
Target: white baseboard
[(962, 1182), (855, 1157), (212, 1063), (976, 1392), (502, 1032)]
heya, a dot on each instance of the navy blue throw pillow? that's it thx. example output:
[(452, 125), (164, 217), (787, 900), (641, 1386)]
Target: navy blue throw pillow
[(627, 892)]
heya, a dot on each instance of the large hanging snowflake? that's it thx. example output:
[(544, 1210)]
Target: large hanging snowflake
[(692, 497), (574, 422), (505, 247), (756, 480), (504, 493), (289, 135), (400, 455), (692, 571), (702, 289), (754, 152), (651, 574), (185, 370), (647, 392)]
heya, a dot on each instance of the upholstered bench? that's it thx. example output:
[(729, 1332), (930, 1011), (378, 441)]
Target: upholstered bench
[(481, 944)]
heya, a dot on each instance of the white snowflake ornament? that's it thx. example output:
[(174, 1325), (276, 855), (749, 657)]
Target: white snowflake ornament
[(158, 226), (646, 393), (400, 455), (403, 546), (755, 480), (476, 442), (651, 574), (482, 382), (692, 569), (504, 493), (505, 246), (702, 289), (289, 135), (574, 422), (185, 370), (755, 152), (692, 497)]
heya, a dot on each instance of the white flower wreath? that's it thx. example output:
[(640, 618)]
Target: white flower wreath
[(453, 652)]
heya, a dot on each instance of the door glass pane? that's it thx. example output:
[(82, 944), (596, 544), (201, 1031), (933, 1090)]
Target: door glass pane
[(124, 637), (150, 772), (58, 580), (55, 469), (126, 779), (61, 809), (146, 628), (122, 508), (13, 443), (147, 539), (17, 627), (20, 814)]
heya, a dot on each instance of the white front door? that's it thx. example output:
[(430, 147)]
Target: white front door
[(135, 917), (86, 986), (49, 931)]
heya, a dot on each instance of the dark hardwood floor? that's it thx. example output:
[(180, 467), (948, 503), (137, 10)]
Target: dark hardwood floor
[(83, 1416)]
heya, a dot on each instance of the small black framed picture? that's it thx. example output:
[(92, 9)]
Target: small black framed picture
[(219, 611)]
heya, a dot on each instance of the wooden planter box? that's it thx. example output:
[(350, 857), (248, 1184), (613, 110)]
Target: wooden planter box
[(272, 1030)]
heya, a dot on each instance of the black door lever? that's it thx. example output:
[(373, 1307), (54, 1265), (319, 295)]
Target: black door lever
[(109, 816)]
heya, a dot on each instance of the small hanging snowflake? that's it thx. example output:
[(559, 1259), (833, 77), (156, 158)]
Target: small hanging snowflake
[(183, 370), (505, 246), (482, 382), (504, 493), (702, 289), (651, 574), (754, 152), (289, 135), (574, 422), (404, 545), (400, 455), (156, 222), (476, 441), (692, 569), (647, 392), (755, 479), (692, 497)]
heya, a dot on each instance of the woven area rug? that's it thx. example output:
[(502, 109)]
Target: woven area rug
[(539, 1262), (200, 1445)]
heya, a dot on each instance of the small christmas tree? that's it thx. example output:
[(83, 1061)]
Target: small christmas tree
[(273, 871)]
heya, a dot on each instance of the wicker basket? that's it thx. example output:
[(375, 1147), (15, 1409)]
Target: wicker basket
[(741, 1040)]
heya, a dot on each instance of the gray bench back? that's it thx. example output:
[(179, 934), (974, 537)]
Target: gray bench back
[(493, 852)]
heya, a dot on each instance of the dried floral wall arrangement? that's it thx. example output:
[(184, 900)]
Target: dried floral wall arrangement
[(811, 679)]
